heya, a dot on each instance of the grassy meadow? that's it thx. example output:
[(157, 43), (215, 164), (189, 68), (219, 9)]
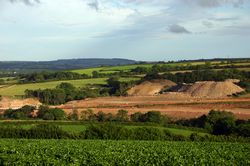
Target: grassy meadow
[(19, 89)]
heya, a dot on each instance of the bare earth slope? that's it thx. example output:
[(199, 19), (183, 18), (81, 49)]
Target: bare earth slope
[(7, 103), (150, 88), (212, 89)]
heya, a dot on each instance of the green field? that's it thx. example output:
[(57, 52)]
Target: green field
[(18, 89), (19, 152), (111, 69)]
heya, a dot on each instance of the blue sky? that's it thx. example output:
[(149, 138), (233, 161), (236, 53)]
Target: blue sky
[(149, 30)]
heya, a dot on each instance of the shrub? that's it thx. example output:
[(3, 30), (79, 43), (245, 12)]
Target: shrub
[(47, 113), (122, 116), (147, 133), (107, 131), (23, 113), (45, 131), (244, 130)]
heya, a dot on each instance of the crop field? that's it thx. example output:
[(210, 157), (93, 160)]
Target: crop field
[(85, 152), (18, 89)]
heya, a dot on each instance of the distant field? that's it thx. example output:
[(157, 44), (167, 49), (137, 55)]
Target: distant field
[(18, 89), (114, 69), (111, 69)]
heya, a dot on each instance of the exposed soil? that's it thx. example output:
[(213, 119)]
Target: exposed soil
[(176, 105), (7, 103), (149, 88), (211, 89)]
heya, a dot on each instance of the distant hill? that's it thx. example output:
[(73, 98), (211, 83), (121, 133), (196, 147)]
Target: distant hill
[(65, 64)]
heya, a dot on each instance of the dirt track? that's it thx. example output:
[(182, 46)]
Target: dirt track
[(179, 107)]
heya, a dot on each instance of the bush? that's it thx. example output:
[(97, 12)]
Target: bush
[(224, 126), (107, 131), (147, 133), (47, 113), (44, 131), (23, 113), (151, 116), (244, 130), (122, 116)]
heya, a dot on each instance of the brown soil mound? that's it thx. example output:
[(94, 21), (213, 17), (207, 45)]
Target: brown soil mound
[(7, 103), (149, 88), (211, 89)]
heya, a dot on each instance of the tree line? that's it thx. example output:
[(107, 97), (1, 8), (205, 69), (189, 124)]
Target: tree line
[(216, 122), (109, 131), (161, 68), (51, 76), (219, 123), (206, 75)]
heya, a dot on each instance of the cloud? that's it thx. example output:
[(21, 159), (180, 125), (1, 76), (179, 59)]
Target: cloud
[(208, 24), (175, 28), (215, 3), (26, 2), (94, 5), (225, 19)]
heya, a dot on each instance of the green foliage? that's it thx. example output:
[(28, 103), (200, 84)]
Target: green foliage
[(151, 116), (96, 152), (206, 75), (44, 131), (51, 76), (244, 130), (74, 116), (23, 113), (118, 87), (245, 84), (88, 115), (2, 81), (47, 113), (148, 133), (41, 131), (107, 131), (122, 116), (218, 123), (63, 93)]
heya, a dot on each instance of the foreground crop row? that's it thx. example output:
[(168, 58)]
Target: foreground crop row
[(73, 152)]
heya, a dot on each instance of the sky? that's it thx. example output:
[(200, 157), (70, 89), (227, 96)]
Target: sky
[(147, 30)]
